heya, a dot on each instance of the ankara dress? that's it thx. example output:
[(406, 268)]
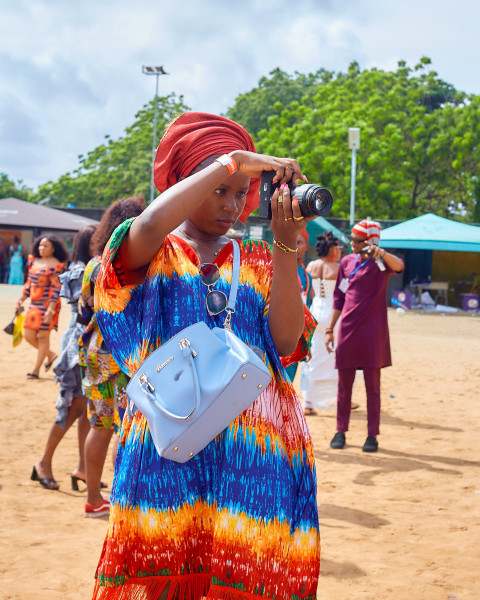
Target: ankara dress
[(103, 382), (43, 288), (239, 520)]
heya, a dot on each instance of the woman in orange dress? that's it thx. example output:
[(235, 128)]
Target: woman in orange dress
[(45, 263)]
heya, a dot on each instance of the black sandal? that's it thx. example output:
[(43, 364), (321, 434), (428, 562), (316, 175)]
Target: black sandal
[(32, 376), (76, 479), (48, 365), (49, 484)]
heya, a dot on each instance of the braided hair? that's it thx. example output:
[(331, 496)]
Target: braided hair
[(324, 243)]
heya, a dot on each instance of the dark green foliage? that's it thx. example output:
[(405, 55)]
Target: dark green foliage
[(420, 138), (253, 108)]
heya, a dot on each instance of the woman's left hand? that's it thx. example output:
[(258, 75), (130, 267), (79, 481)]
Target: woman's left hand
[(47, 317), (287, 219)]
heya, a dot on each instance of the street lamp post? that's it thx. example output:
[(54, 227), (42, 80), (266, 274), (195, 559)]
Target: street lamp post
[(154, 71), (353, 144)]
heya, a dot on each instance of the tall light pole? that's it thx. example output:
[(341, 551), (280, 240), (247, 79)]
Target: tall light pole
[(154, 71), (354, 145)]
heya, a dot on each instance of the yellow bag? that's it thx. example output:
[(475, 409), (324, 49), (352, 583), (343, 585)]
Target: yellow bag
[(18, 329)]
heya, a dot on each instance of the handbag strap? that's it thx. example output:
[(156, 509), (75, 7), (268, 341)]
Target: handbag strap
[(234, 285)]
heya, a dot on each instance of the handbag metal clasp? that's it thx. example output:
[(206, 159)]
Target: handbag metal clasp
[(143, 379), (183, 343)]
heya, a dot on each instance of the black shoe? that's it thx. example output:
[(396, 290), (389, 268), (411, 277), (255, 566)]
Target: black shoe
[(371, 444), (338, 441), (49, 484)]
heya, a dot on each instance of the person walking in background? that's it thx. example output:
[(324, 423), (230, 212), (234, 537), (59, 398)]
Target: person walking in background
[(71, 404), (323, 377), (45, 264), (238, 520), (15, 256), (103, 382), (360, 297)]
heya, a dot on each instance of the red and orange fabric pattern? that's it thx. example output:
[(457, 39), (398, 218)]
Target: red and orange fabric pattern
[(43, 288), (239, 520)]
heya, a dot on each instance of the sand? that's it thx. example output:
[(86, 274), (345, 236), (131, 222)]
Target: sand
[(402, 523)]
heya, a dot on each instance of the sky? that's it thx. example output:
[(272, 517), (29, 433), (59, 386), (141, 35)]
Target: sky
[(71, 72)]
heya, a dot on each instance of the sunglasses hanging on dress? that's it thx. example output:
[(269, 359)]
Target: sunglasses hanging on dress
[(216, 301)]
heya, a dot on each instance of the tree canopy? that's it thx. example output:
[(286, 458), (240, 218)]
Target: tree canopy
[(419, 141), (11, 189)]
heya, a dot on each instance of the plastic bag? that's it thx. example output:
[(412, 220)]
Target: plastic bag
[(18, 329)]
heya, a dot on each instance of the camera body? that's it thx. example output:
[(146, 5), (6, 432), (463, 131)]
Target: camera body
[(313, 199)]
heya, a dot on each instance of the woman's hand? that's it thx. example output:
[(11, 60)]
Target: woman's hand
[(287, 220), (48, 316), (253, 164), (18, 307)]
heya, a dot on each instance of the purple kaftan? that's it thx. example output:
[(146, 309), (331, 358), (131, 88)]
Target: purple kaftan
[(363, 339)]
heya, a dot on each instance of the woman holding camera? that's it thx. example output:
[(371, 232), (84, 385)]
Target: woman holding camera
[(238, 520)]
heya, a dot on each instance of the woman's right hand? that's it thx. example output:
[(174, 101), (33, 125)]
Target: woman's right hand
[(18, 308), (253, 164)]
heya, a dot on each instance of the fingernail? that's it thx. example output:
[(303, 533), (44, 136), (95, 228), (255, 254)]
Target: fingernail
[(294, 198)]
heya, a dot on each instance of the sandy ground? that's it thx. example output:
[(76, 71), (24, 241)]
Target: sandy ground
[(403, 523)]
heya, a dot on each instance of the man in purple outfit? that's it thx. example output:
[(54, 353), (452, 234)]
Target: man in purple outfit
[(363, 340)]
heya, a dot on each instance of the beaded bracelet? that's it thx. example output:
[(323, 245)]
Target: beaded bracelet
[(328, 330), (283, 247)]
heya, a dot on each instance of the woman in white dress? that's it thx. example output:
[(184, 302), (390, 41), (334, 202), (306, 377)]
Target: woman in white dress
[(322, 390)]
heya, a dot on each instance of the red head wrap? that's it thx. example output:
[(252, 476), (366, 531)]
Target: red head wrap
[(304, 234), (192, 138)]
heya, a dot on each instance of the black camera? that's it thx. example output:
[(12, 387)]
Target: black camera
[(313, 199)]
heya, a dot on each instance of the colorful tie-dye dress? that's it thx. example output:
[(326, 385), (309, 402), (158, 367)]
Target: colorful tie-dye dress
[(239, 520)]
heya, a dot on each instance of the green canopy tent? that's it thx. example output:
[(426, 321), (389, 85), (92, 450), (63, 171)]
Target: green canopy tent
[(430, 232), (319, 226), (430, 246)]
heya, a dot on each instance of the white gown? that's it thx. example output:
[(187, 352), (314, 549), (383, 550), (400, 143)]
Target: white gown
[(323, 377)]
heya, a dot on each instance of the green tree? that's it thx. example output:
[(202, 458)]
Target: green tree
[(118, 168), (252, 109), (407, 164), (11, 189)]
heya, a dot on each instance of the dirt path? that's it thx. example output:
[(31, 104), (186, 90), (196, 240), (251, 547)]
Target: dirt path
[(404, 523)]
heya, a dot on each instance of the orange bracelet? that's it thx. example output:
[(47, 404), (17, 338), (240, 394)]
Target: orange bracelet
[(229, 162)]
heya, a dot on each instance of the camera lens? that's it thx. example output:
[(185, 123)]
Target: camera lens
[(313, 200)]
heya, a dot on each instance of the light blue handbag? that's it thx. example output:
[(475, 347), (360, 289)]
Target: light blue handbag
[(193, 386)]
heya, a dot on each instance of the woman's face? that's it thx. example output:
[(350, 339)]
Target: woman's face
[(335, 252), (223, 206), (45, 248), (301, 246)]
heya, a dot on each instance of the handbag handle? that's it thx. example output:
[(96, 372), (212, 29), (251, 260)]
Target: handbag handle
[(149, 391)]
